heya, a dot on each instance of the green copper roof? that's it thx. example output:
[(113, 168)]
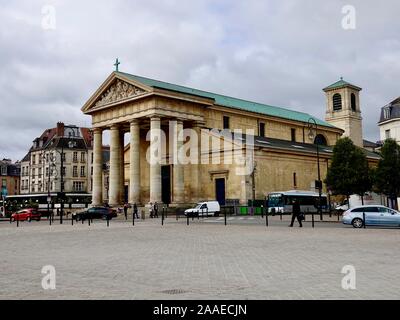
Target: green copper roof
[(229, 101), (339, 84)]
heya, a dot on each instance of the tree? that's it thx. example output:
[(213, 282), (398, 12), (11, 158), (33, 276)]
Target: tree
[(349, 172), (387, 175)]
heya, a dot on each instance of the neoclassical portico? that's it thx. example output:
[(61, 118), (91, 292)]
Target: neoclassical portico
[(121, 106)]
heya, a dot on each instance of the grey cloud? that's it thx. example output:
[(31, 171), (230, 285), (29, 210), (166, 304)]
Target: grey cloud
[(277, 52)]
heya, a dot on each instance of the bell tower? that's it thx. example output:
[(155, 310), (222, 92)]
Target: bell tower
[(343, 109)]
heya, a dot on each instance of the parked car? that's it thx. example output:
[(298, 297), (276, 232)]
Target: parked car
[(376, 215), (204, 208), (95, 213), (27, 214)]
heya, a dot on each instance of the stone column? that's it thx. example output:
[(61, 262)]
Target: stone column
[(115, 167), (122, 167), (134, 164), (155, 162), (196, 167), (97, 192), (178, 176)]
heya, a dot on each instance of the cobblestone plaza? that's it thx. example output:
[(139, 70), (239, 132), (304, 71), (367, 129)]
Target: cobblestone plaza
[(205, 260)]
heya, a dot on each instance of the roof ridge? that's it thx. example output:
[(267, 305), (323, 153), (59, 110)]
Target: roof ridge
[(217, 94), (213, 95)]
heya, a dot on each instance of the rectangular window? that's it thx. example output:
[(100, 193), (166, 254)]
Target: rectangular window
[(82, 171), (226, 122), (64, 171), (261, 130), (4, 183), (4, 170), (91, 171), (40, 172), (293, 134), (387, 134), (34, 159), (75, 171), (83, 157), (294, 180), (75, 158), (47, 172), (92, 158), (77, 186)]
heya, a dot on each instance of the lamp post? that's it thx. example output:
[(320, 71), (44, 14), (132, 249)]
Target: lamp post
[(51, 163), (313, 135)]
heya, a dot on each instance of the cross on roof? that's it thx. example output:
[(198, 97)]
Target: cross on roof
[(116, 64)]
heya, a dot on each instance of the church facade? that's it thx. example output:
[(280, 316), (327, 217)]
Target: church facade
[(283, 143)]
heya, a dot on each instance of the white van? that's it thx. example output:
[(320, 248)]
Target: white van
[(205, 208)]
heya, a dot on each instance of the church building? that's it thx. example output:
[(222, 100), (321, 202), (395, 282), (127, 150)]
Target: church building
[(284, 143)]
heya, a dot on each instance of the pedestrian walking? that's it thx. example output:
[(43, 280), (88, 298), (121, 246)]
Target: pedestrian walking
[(296, 213), (156, 209), (151, 210), (126, 211), (135, 211)]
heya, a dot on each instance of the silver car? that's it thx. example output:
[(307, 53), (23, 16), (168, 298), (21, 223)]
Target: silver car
[(375, 215)]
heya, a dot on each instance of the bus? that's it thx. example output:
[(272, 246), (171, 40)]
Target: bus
[(282, 202)]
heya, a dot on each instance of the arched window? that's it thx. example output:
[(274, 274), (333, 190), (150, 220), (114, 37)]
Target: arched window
[(353, 102), (320, 140), (337, 102)]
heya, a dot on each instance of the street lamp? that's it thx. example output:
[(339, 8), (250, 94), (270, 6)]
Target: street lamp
[(313, 135)]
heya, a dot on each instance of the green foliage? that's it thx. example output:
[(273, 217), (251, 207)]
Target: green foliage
[(349, 172), (387, 175)]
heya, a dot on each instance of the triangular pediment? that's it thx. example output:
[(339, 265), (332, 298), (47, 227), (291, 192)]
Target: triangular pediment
[(113, 91)]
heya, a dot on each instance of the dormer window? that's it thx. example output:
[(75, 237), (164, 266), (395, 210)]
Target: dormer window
[(386, 112)]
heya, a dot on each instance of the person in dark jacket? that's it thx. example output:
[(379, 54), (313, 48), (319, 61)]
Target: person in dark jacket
[(135, 210), (156, 209), (296, 213)]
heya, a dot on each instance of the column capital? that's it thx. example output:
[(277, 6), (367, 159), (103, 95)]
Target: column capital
[(134, 122), (199, 124), (97, 130), (155, 118), (115, 127)]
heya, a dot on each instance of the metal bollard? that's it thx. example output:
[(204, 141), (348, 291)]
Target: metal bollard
[(162, 216), (312, 216), (133, 218), (281, 215), (72, 221), (262, 211), (225, 215), (187, 216), (88, 221), (108, 222), (364, 220), (266, 218)]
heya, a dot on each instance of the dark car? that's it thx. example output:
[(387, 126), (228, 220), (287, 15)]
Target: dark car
[(95, 213)]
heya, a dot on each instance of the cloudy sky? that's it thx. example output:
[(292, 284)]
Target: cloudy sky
[(54, 54)]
